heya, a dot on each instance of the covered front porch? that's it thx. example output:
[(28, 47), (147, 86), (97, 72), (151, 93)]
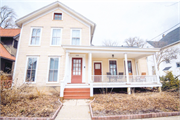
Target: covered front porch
[(106, 67)]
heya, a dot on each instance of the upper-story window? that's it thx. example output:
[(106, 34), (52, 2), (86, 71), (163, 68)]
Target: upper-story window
[(56, 36), (178, 64), (57, 16), (76, 37), (35, 37)]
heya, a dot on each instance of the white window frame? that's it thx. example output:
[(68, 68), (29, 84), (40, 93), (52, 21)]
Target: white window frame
[(52, 35), (71, 35), (56, 12), (39, 37), (116, 64), (47, 80), (27, 57)]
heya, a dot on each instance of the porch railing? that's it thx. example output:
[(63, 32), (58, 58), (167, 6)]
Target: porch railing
[(143, 78), (123, 78)]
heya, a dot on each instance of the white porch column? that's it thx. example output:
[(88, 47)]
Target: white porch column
[(67, 66), (90, 74), (127, 74), (136, 64), (155, 65), (66, 76), (89, 67)]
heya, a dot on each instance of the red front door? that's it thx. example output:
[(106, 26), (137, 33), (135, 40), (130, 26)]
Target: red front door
[(76, 73), (97, 72)]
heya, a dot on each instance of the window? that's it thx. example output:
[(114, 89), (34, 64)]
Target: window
[(35, 38), (112, 67), (53, 70), (56, 37), (15, 44), (178, 64), (31, 69), (77, 66), (57, 16), (75, 37), (129, 65)]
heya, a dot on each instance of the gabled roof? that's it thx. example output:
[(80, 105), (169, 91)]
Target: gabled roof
[(170, 38), (53, 6), (9, 32), (5, 54)]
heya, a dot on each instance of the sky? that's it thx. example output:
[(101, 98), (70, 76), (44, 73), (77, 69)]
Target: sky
[(116, 20)]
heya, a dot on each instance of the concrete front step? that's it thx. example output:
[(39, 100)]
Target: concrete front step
[(76, 93)]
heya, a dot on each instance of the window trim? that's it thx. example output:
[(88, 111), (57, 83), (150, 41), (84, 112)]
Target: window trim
[(27, 57), (116, 65), (49, 57), (71, 35), (53, 16), (52, 35), (39, 37), (125, 66)]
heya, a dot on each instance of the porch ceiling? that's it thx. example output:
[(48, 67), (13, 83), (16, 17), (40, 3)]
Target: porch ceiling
[(119, 55)]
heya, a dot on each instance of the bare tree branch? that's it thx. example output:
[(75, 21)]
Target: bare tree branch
[(7, 17), (135, 42), (110, 43), (166, 54)]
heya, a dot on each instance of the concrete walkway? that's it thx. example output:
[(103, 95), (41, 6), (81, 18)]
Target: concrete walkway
[(162, 118), (74, 110)]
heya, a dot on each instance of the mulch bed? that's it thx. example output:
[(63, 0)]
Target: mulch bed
[(138, 103)]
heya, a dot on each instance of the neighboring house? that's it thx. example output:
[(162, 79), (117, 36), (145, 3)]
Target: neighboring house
[(168, 41), (55, 50), (9, 42)]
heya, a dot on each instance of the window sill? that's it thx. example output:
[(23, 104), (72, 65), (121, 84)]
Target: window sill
[(34, 45), (55, 45), (57, 20), (30, 82), (53, 82)]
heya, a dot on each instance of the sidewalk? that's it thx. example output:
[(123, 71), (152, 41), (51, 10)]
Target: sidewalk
[(162, 118), (74, 110)]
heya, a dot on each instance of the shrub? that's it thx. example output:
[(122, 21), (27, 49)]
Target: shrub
[(169, 82)]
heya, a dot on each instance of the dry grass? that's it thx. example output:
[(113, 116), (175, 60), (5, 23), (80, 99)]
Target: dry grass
[(27, 102), (120, 104)]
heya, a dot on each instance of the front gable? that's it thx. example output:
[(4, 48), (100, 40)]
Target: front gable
[(58, 7)]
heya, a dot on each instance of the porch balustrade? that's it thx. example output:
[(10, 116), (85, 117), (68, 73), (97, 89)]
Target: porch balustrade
[(123, 79)]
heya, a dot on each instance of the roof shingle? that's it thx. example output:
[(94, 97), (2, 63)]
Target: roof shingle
[(168, 39), (9, 32), (5, 54)]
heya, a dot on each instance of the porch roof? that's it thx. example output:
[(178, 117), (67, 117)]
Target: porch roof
[(110, 48), (106, 52)]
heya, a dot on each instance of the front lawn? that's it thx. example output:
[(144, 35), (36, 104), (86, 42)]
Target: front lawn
[(28, 102), (123, 104)]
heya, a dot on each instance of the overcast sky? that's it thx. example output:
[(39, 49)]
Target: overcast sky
[(116, 20)]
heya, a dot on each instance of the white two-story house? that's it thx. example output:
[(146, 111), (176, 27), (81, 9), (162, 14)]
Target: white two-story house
[(55, 50)]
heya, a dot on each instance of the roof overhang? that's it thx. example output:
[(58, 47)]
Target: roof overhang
[(101, 51), (113, 48), (54, 5)]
